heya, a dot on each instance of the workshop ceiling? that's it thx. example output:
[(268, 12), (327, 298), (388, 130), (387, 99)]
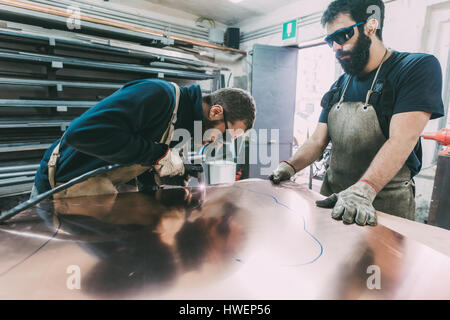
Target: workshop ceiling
[(225, 11)]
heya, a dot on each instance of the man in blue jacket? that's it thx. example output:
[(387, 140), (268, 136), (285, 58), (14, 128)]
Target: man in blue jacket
[(134, 127)]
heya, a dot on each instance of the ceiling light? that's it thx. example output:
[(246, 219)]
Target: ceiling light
[(235, 1)]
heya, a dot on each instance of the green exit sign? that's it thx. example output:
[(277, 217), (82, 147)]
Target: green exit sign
[(290, 30)]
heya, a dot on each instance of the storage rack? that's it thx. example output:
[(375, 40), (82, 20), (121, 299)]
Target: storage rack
[(50, 77)]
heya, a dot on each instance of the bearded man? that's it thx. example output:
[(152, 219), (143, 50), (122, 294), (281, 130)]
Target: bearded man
[(374, 115)]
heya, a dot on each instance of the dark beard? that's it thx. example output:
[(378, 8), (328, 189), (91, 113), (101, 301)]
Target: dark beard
[(207, 124), (359, 56)]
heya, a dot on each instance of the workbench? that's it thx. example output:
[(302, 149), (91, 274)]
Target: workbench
[(249, 240)]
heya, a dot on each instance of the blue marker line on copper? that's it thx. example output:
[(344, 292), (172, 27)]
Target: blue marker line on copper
[(304, 225)]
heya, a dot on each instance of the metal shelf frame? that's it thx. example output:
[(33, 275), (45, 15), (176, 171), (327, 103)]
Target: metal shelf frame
[(106, 46), (59, 62), (23, 147), (62, 83), (46, 103), (40, 63)]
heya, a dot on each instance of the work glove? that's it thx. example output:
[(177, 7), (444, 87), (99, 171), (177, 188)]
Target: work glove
[(284, 172), (170, 164), (354, 204)]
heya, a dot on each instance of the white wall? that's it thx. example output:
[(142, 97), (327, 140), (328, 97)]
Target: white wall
[(146, 8), (421, 26), (404, 23), (297, 9)]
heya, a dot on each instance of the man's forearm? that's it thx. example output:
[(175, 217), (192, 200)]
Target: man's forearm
[(388, 161), (306, 155), (405, 131)]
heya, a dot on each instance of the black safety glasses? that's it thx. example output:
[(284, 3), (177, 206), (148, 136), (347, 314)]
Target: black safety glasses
[(342, 36)]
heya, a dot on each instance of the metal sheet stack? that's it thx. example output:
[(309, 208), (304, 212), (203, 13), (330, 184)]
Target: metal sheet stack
[(48, 77)]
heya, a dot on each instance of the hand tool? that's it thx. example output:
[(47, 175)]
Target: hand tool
[(196, 171), (442, 136)]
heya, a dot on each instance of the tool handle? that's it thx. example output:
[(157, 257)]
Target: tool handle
[(33, 201), (442, 136)]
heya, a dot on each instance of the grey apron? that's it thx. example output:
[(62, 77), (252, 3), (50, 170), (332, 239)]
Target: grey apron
[(110, 182), (356, 135)]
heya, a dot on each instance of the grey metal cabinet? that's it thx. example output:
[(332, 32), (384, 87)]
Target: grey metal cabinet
[(274, 83)]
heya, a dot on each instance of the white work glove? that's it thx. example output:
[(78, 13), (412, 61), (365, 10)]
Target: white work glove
[(284, 172), (354, 204), (170, 165)]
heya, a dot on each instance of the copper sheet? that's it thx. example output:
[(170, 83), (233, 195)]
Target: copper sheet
[(247, 241)]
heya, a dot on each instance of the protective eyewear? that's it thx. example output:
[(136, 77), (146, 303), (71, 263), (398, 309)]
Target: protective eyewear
[(342, 36)]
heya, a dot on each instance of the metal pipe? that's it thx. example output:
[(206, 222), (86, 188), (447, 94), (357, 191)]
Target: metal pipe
[(15, 181), (32, 82), (33, 201), (17, 174), (45, 103), (19, 168)]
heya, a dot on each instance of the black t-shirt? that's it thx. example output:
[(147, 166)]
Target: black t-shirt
[(416, 82)]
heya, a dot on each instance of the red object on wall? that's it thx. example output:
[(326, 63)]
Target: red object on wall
[(442, 137), (238, 175)]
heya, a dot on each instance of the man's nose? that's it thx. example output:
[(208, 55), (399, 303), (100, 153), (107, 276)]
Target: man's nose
[(337, 47)]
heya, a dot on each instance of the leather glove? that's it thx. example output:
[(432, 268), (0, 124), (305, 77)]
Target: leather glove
[(354, 204), (284, 172), (170, 164)]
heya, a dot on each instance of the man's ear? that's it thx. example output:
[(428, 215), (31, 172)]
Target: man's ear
[(215, 112), (371, 27)]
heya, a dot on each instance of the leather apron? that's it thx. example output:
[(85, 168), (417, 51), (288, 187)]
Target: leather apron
[(110, 182), (356, 135)]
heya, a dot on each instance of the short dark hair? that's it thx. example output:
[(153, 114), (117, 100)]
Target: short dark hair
[(237, 103), (358, 10)]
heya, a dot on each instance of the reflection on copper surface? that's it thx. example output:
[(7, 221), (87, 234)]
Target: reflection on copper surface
[(382, 248), (145, 241), (251, 240)]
